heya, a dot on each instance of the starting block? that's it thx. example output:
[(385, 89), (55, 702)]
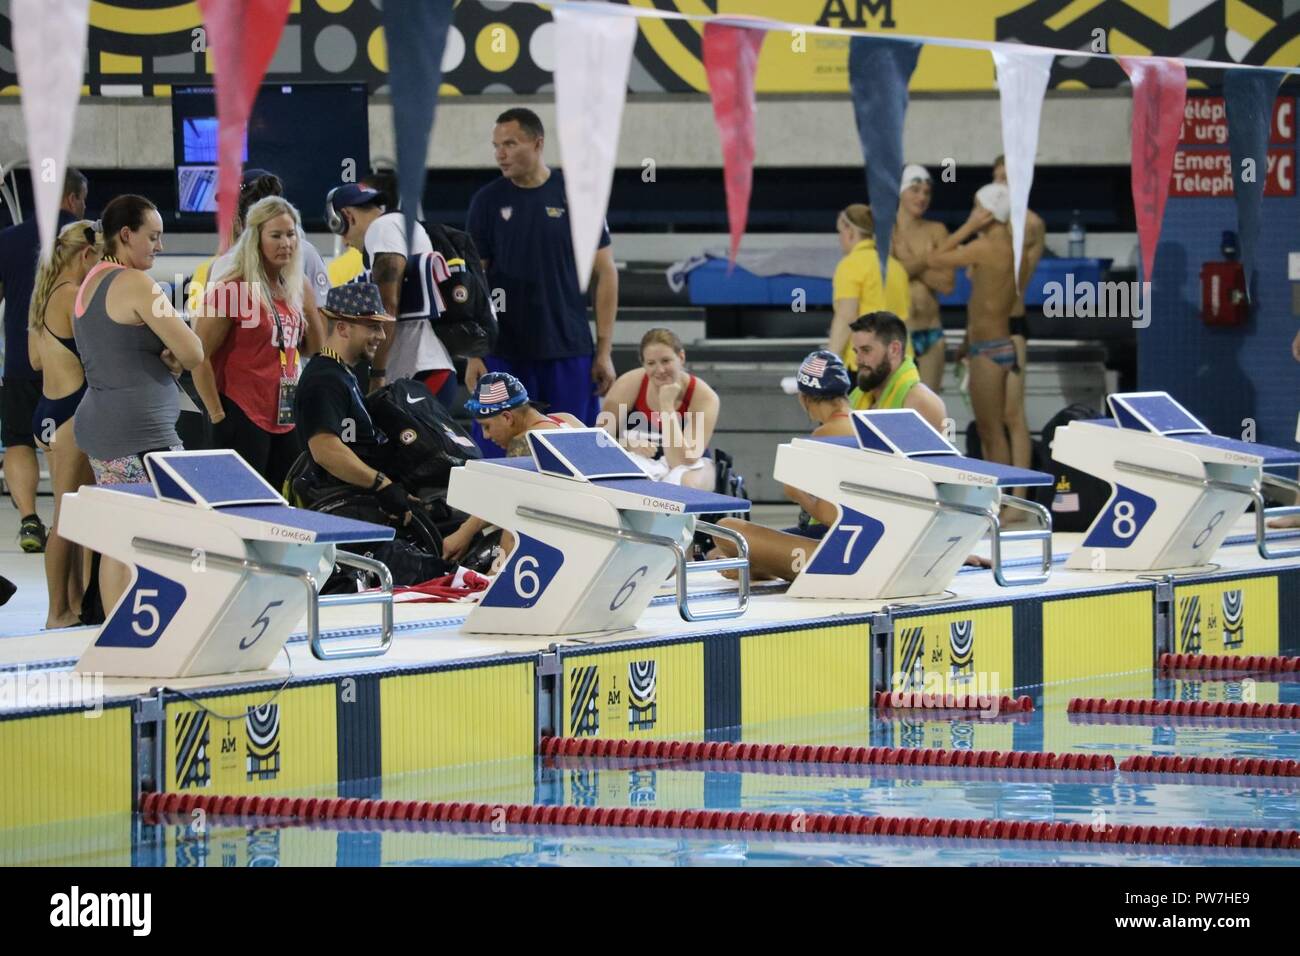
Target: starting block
[(594, 536), (223, 568), (1176, 489), (910, 509)]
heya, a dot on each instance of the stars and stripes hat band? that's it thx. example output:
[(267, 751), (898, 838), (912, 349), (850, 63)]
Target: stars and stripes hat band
[(823, 374), (496, 392)]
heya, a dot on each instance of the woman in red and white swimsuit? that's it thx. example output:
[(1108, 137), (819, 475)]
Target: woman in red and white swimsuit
[(665, 415)]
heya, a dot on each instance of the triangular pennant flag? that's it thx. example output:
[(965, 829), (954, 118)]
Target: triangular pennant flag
[(731, 62), (1159, 95), (416, 34), (1022, 81), (49, 39), (1248, 96), (879, 71), (242, 37), (592, 57)]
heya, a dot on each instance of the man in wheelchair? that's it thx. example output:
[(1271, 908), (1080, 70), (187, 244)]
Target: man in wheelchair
[(330, 411)]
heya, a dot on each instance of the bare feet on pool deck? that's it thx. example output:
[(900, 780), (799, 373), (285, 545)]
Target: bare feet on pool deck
[(66, 620)]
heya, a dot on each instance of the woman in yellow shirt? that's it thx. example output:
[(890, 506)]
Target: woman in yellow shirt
[(857, 288)]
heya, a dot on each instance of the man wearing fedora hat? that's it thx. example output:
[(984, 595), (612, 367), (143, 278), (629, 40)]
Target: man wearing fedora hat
[(501, 406), (329, 407)]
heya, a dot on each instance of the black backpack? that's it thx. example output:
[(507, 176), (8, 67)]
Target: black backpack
[(1076, 497), (424, 442), (468, 323)]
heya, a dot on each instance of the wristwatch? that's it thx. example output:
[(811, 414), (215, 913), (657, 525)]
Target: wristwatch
[(380, 478)]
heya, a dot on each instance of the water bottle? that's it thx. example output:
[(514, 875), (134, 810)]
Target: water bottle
[(1078, 235)]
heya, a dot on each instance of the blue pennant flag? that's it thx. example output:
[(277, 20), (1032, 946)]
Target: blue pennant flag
[(416, 32), (879, 71), (1248, 96)]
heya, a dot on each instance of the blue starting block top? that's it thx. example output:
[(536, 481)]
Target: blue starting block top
[(581, 454), (654, 494), (1155, 412), (222, 482), (899, 431), (209, 479), (1007, 476), (1272, 455)]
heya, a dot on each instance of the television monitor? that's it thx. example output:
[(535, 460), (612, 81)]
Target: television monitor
[(309, 134)]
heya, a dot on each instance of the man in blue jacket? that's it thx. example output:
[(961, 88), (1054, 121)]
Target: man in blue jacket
[(520, 226)]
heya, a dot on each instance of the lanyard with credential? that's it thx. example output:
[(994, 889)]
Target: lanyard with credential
[(288, 377)]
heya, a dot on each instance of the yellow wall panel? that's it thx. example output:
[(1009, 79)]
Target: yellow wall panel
[(1102, 634), (65, 767), (447, 718), (817, 670)]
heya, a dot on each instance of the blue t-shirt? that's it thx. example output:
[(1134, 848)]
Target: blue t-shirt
[(524, 234), (20, 252)]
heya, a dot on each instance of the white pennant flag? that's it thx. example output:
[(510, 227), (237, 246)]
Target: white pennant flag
[(592, 55), (49, 39), (1022, 81)]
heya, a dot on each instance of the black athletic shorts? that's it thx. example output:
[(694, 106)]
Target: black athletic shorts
[(16, 411)]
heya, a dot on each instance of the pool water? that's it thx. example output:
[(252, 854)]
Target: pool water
[(1097, 799)]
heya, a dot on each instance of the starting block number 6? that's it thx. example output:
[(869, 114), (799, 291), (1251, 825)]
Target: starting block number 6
[(525, 578)]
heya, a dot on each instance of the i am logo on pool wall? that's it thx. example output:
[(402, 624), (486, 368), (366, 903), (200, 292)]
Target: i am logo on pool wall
[(76, 909)]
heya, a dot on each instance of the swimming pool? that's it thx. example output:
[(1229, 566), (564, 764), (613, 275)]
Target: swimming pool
[(1092, 798)]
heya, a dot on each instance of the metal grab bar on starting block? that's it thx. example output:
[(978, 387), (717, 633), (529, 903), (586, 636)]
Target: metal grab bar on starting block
[(684, 567), (1262, 514), (1253, 492), (1041, 534), (383, 597)]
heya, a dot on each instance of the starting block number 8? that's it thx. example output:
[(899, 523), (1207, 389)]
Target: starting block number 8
[(1120, 524), (527, 575)]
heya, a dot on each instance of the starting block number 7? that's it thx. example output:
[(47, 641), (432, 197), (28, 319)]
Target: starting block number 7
[(847, 545)]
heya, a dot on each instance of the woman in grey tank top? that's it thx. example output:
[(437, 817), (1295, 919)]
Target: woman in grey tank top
[(130, 339)]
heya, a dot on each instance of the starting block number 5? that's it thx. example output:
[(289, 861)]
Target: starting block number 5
[(144, 612), (527, 575)]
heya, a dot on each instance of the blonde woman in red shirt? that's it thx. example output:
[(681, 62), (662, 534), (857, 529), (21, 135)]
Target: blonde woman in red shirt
[(254, 330)]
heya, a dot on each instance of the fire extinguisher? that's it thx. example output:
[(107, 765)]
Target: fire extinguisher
[(1223, 287)]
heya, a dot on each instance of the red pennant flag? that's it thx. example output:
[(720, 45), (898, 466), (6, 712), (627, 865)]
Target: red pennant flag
[(242, 37), (731, 62), (1159, 93)]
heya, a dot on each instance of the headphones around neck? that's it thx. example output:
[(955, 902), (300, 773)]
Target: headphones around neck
[(333, 218)]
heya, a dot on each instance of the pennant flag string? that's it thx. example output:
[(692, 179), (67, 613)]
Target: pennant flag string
[(49, 40), (1159, 95), (961, 43), (593, 57), (415, 32)]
